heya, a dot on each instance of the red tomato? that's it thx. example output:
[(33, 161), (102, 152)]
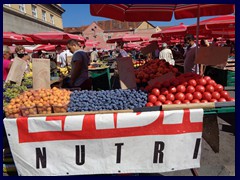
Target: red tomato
[(181, 88), (177, 102), (222, 100), (164, 91), (200, 88), (219, 88), (231, 99), (224, 94), (202, 81), (216, 95), (180, 96), (213, 100), (185, 101), (172, 89), (195, 101), (161, 98), (184, 84), (190, 89), (170, 97), (157, 103), (207, 78), (204, 101), (152, 98), (155, 92), (149, 104), (168, 102), (192, 82), (211, 82), (210, 88), (207, 96), (189, 96), (197, 95)]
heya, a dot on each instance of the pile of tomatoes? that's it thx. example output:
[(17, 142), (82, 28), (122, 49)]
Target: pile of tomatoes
[(187, 89)]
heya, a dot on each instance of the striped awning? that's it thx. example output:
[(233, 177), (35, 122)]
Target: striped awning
[(158, 12)]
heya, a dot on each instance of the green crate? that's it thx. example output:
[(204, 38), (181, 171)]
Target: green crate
[(231, 73), (219, 110), (231, 80), (231, 84)]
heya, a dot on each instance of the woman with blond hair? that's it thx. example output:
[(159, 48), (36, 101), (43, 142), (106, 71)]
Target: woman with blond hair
[(6, 61)]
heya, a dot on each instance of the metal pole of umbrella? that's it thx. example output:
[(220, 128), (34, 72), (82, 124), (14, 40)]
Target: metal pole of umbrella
[(197, 34)]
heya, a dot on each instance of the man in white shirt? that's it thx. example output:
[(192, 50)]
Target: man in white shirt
[(94, 55), (62, 56), (166, 54)]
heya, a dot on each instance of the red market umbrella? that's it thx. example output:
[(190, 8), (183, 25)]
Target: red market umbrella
[(127, 38), (218, 24), (10, 38), (54, 38), (131, 45), (90, 43), (158, 12), (174, 31), (47, 48)]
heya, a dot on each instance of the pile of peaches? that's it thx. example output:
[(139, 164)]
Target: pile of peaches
[(42, 101)]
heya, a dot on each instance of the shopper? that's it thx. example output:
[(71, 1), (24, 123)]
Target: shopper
[(94, 55), (62, 56), (190, 54), (204, 43), (121, 52), (79, 66), (6, 61), (166, 54)]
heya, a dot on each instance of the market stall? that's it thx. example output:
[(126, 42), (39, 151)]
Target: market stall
[(61, 132)]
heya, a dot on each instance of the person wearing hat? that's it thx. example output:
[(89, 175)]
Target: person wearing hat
[(166, 54)]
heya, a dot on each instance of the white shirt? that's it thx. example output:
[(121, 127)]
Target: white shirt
[(61, 58), (167, 55), (94, 56)]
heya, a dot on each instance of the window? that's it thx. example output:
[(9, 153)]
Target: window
[(7, 5), (34, 11), (52, 18), (44, 16), (22, 8)]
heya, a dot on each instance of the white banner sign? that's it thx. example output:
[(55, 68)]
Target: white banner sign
[(147, 142)]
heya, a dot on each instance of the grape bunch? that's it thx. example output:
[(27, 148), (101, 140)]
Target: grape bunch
[(116, 99), (28, 82), (11, 91)]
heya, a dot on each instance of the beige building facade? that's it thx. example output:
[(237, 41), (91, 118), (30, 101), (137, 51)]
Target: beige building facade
[(32, 18)]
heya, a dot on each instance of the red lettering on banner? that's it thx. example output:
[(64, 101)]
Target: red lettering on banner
[(89, 130)]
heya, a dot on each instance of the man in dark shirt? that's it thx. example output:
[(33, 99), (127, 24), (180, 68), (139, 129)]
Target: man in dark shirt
[(79, 65)]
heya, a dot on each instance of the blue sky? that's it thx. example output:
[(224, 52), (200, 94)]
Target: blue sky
[(77, 15)]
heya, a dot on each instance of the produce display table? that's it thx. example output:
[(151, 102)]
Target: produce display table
[(111, 142)]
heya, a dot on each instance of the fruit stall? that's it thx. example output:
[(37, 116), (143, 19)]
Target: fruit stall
[(111, 125)]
